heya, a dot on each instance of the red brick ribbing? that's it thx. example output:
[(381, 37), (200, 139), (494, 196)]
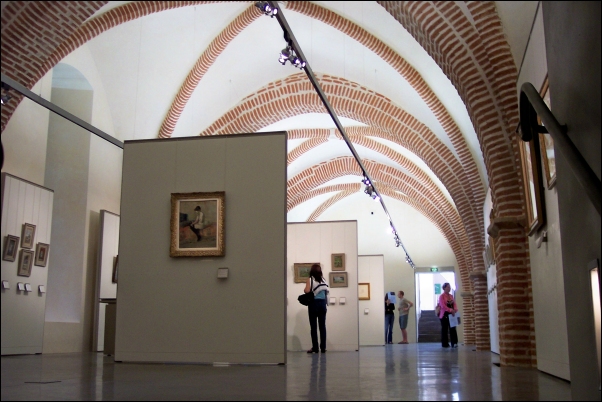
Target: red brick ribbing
[(322, 190), (214, 49), (303, 148), (294, 95), (31, 31), (328, 203), (486, 82), (414, 79)]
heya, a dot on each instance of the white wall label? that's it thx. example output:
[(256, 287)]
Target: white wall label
[(28, 287), (342, 300), (42, 289), (5, 285), (20, 286)]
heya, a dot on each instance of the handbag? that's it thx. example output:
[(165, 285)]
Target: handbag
[(307, 298), (437, 310)]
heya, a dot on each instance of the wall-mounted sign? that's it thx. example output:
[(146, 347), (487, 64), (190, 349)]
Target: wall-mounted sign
[(434, 269), (437, 288)]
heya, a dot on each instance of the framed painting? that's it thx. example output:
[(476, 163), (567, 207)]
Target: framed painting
[(302, 271), (197, 224), (27, 235), (338, 262), (115, 266), (533, 187), (11, 244), (338, 279), (363, 291), (42, 254), (25, 262), (546, 143)]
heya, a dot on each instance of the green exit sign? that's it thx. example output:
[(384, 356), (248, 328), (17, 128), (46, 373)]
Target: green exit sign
[(434, 269)]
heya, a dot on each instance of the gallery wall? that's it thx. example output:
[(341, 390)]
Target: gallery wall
[(371, 312), (176, 309), (313, 242), (546, 261), (23, 309), (106, 275)]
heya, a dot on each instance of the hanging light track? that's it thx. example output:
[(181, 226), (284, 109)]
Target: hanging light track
[(295, 56)]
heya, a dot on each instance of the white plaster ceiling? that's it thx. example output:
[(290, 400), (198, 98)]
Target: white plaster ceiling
[(143, 63)]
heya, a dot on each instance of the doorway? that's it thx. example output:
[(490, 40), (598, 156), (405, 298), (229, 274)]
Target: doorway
[(429, 286)]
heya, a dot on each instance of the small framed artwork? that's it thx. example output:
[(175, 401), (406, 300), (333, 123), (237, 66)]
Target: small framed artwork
[(197, 224), (27, 235), (42, 254), (115, 266), (533, 186), (363, 291), (546, 143), (338, 262), (11, 244), (25, 262), (302, 271), (338, 279)]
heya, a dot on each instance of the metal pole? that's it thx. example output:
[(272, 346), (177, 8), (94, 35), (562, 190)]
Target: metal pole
[(60, 111)]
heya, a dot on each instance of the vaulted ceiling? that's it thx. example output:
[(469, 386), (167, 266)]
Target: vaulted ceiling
[(426, 91)]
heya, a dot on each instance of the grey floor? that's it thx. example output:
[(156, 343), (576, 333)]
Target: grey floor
[(392, 372)]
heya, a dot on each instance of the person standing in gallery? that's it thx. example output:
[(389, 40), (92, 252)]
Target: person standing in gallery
[(317, 308), (447, 306), (389, 319), (197, 224), (404, 308)]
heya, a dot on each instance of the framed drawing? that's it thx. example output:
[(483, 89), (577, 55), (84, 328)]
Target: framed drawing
[(363, 291), (533, 187), (115, 266), (302, 271), (27, 235), (197, 224), (41, 254), (338, 262), (11, 244), (546, 142), (25, 262), (338, 279)]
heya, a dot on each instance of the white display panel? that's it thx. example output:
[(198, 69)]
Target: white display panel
[(371, 320), (22, 312)]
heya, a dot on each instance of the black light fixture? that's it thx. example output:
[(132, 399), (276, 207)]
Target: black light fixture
[(5, 97), (266, 8)]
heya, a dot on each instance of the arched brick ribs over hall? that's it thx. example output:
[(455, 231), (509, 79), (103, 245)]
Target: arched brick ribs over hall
[(485, 77), (294, 95)]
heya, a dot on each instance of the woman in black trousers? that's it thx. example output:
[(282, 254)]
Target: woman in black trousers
[(447, 306), (317, 308)]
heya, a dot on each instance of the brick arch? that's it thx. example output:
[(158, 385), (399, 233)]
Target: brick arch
[(477, 60), (294, 95)]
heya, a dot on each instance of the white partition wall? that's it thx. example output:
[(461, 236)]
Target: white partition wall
[(316, 242), (372, 312), (176, 309), (106, 284), (23, 310)]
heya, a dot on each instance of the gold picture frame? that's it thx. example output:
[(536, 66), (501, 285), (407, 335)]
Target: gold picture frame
[(302, 271), (25, 262), (42, 250), (546, 143), (11, 245), (197, 224), (363, 291), (28, 234), (338, 262), (338, 280), (533, 186)]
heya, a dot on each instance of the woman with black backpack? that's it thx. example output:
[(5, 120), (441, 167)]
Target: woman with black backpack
[(317, 308)]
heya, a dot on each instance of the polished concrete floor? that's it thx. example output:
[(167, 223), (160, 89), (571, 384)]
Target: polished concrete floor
[(392, 372)]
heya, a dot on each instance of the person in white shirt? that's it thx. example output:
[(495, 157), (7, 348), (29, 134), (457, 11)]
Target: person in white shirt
[(404, 307)]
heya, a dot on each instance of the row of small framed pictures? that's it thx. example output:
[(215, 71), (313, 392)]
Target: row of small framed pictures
[(26, 256)]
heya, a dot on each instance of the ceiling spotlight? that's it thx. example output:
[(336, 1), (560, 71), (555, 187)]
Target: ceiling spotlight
[(266, 8), (369, 190), (297, 62), (5, 96)]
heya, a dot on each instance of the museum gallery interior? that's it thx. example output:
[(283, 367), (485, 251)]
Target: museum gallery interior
[(172, 170)]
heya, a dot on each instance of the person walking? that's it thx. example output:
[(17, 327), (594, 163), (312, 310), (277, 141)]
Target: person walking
[(447, 306), (389, 319), (317, 308), (404, 307)]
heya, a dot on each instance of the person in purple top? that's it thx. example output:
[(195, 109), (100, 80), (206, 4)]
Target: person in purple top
[(447, 306)]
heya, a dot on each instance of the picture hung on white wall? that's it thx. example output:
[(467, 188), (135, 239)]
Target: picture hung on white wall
[(11, 244), (197, 224), (27, 235)]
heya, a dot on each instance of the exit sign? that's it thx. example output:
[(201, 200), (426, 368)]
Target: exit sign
[(437, 288), (434, 269)]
